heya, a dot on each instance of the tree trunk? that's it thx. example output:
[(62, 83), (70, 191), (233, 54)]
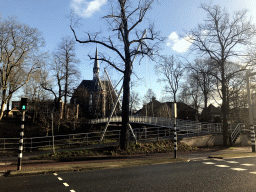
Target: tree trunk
[(224, 109), (3, 103), (206, 118), (2, 110), (124, 139)]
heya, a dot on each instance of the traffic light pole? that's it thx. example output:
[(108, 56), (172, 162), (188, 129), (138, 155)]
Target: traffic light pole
[(21, 140), (175, 131)]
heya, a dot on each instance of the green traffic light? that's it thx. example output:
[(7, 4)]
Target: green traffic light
[(23, 107)]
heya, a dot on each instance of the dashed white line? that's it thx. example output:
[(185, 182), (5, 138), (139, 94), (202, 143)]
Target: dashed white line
[(253, 173), (248, 164), (218, 159), (65, 184), (232, 162), (72, 190), (208, 163), (222, 165), (238, 169)]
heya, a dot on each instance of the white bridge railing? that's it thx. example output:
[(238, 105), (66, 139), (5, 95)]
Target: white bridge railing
[(160, 129), (181, 125)]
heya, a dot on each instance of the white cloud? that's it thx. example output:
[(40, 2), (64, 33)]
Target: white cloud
[(86, 9), (177, 44)]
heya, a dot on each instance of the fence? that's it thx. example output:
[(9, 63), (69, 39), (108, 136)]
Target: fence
[(185, 129), (60, 141)]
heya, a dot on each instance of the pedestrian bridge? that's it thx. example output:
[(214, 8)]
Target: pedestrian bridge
[(181, 125)]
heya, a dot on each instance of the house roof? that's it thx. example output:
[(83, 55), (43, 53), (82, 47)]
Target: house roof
[(181, 106)]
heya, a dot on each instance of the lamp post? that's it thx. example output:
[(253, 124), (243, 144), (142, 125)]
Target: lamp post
[(248, 74)]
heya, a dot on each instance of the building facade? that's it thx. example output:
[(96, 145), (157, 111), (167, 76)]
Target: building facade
[(95, 97)]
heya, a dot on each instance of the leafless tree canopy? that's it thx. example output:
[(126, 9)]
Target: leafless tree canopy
[(64, 71), (124, 20), (172, 70), (18, 56), (223, 38)]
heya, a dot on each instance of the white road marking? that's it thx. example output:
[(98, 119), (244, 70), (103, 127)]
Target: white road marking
[(222, 165), (60, 178), (232, 162), (72, 190), (65, 184), (218, 159), (238, 169), (248, 164), (208, 163), (253, 173), (55, 174)]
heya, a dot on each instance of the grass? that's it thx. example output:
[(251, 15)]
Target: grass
[(7, 153), (69, 143), (140, 148)]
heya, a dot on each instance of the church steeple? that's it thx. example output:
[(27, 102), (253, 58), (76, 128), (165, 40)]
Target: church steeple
[(96, 68)]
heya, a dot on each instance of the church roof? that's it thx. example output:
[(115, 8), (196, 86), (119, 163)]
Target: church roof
[(89, 85)]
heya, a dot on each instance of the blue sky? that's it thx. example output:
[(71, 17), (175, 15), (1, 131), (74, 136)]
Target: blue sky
[(171, 18)]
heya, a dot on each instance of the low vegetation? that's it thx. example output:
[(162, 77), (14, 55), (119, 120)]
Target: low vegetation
[(115, 151)]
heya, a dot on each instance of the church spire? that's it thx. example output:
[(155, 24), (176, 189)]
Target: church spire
[(96, 68)]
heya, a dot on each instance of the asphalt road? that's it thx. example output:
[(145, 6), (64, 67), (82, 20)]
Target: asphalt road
[(197, 175)]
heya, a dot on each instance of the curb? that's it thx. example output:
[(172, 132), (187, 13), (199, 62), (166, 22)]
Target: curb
[(214, 157), (14, 173)]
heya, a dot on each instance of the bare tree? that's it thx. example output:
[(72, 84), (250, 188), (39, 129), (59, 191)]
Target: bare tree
[(201, 72), (18, 56), (222, 38), (66, 62), (48, 83), (33, 89), (124, 21), (172, 70), (134, 101), (149, 97), (64, 72), (190, 93), (134, 97)]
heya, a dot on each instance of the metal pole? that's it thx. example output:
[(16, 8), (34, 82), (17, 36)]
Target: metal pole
[(175, 133), (250, 111), (21, 140)]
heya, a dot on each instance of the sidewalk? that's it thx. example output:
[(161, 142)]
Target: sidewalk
[(8, 165)]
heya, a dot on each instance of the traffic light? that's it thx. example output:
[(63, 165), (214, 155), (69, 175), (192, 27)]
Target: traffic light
[(23, 103)]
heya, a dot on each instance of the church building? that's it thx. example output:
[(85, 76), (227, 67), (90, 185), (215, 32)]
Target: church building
[(95, 97)]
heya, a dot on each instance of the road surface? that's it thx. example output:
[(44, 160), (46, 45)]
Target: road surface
[(197, 175)]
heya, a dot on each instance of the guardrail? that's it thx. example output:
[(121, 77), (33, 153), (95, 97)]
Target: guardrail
[(85, 139), (235, 132)]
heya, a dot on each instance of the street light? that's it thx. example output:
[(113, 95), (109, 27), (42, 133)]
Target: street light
[(248, 74)]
